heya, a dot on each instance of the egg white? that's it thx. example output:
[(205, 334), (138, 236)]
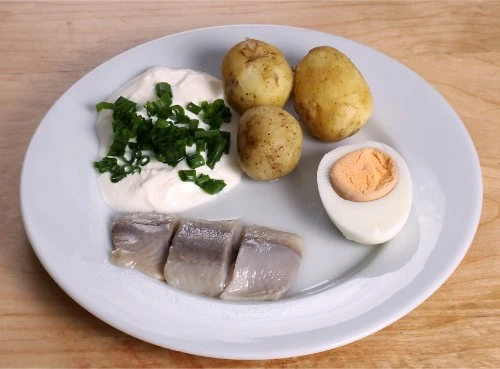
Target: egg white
[(371, 222)]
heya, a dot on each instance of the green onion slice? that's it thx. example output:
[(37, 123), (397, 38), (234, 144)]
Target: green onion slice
[(207, 134), (117, 177), (193, 108), (215, 151), (195, 160), (128, 168), (163, 88), (213, 186), (202, 178), (187, 175), (177, 110), (104, 105), (143, 160)]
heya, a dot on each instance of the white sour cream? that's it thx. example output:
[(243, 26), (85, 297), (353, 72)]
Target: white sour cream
[(158, 187)]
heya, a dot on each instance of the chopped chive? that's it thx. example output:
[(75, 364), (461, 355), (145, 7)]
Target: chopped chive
[(162, 107), (202, 178), (195, 160), (137, 154), (193, 125), (207, 134), (124, 109), (163, 88), (227, 136), (201, 145), (133, 146), (212, 186), (117, 177), (215, 122), (193, 108), (215, 152), (162, 123), (177, 110), (165, 99), (143, 160), (184, 131), (106, 164), (128, 168), (218, 103), (216, 113), (132, 157), (120, 141), (179, 119), (104, 105), (150, 107), (187, 175)]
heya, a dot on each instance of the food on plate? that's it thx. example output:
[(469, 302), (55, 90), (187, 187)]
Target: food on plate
[(166, 147), (256, 73), (200, 255), (141, 241), (196, 255), (366, 174), (330, 95), (266, 265), (269, 142), (366, 190), (165, 140)]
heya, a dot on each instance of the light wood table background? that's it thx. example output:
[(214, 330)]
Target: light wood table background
[(45, 47)]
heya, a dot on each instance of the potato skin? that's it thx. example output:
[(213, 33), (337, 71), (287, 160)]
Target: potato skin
[(269, 142), (256, 73), (330, 95)]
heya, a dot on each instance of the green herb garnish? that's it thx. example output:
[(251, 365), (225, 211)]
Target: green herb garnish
[(216, 113), (201, 145), (215, 150), (193, 126), (169, 142), (118, 172), (209, 185), (207, 134), (166, 133), (193, 108), (195, 160), (187, 175), (163, 88), (202, 178), (104, 105)]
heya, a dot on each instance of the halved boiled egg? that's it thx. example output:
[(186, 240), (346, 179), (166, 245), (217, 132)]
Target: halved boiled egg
[(366, 190)]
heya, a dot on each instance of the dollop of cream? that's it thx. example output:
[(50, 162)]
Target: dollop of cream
[(158, 186)]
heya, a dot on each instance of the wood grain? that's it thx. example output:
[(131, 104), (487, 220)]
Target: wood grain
[(45, 47)]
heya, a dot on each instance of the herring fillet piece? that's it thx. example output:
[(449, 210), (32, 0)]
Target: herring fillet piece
[(141, 241), (266, 265), (201, 254)]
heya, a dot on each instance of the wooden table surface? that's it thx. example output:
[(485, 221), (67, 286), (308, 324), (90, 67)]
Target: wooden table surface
[(45, 47)]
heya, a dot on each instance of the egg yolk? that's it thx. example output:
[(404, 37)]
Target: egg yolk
[(364, 175)]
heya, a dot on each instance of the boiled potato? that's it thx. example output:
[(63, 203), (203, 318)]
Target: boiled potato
[(330, 95), (256, 73), (269, 142)]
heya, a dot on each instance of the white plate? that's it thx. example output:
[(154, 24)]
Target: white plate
[(344, 291)]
